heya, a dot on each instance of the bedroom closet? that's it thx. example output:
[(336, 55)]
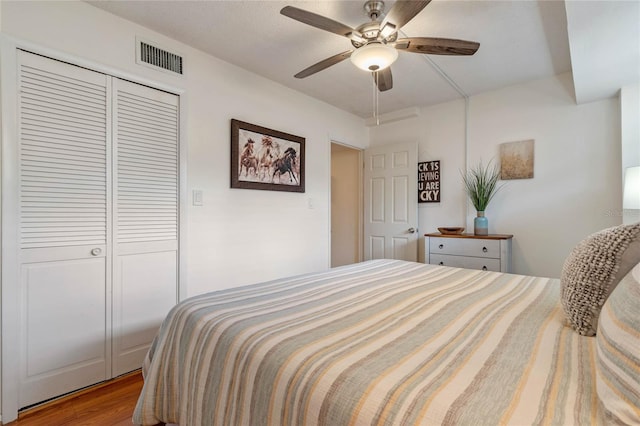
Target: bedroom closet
[(97, 210)]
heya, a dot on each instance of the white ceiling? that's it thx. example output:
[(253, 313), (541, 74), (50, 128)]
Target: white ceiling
[(519, 41)]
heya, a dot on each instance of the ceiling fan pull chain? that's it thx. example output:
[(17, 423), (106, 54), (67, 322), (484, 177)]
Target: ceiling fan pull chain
[(377, 92), (375, 97)]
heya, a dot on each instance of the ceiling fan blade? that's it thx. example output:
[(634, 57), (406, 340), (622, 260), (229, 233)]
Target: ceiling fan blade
[(326, 63), (317, 21), (383, 79), (403, 11), (437, 46)]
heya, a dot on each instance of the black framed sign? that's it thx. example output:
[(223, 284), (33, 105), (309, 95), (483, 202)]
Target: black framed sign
[(266, 159), (429, 182)]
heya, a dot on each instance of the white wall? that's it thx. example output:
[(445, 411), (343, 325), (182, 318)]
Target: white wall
[(630, 124), (576, 189), (238, 236)]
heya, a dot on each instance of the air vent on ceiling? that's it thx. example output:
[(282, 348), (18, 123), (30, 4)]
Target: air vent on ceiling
[(149, 54)]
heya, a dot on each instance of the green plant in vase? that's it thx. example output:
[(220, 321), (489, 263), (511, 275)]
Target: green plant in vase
[(481, 185)]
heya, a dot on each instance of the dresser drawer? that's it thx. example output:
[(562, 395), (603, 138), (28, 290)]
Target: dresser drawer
[(484, 264), (465, 247), (481, 248), (447, 260), (445, 246)]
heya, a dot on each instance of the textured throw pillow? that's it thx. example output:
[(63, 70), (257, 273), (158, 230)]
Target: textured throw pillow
[(618, 353), (592, 271)]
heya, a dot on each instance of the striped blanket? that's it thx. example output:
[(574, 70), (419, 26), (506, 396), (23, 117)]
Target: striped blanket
[(382, 342)]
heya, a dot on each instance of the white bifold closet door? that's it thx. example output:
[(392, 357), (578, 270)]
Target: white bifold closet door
[(64, 214), (98, 213), (145, 218)]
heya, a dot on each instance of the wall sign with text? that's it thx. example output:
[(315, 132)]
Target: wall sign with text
[(429, 182)]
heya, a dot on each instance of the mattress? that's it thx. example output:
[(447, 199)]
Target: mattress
[(382, 342)]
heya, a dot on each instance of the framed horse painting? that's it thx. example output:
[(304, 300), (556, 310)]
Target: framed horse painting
[(267, 159)]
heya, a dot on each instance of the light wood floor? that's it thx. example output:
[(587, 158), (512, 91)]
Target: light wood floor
[(109, 404)]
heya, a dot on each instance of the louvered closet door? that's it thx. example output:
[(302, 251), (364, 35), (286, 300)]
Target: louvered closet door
[(146, 218), (63, 213)]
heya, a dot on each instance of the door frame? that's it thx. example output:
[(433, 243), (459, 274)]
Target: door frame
[(360, 151), (9, 219)]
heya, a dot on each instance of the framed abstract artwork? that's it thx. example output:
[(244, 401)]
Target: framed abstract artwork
[(516, 160)]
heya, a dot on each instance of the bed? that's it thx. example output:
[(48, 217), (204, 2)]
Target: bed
[(381, 342)]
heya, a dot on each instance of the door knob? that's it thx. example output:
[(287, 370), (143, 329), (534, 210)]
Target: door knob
[(412, 230), (96, 251)]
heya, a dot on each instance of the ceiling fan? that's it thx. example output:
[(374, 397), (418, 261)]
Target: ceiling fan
[(376, 42)]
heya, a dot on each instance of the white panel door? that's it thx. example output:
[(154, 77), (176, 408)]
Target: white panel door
[(391, 203), (63, 214), (146, 206)]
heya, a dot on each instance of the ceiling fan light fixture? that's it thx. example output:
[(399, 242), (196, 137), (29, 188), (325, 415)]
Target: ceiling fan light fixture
[(374, 57)]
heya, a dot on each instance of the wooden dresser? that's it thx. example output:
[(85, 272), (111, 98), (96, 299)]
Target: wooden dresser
[(487, 252)]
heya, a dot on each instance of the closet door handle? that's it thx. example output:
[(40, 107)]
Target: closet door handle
[(96, 251)]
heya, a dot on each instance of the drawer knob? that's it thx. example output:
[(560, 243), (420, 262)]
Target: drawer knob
[(441, 263), (441, 246), (484, 268), (484, 249)]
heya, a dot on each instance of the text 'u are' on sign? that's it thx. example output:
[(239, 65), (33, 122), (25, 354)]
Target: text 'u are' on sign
[(429, 182)]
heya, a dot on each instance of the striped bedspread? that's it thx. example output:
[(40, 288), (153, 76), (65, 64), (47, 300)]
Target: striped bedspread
[(382, 342)]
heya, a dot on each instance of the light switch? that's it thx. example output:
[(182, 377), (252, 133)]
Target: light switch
[(197, 197)]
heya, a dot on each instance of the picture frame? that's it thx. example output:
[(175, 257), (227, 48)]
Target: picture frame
[(266, 159), (517, 159)]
